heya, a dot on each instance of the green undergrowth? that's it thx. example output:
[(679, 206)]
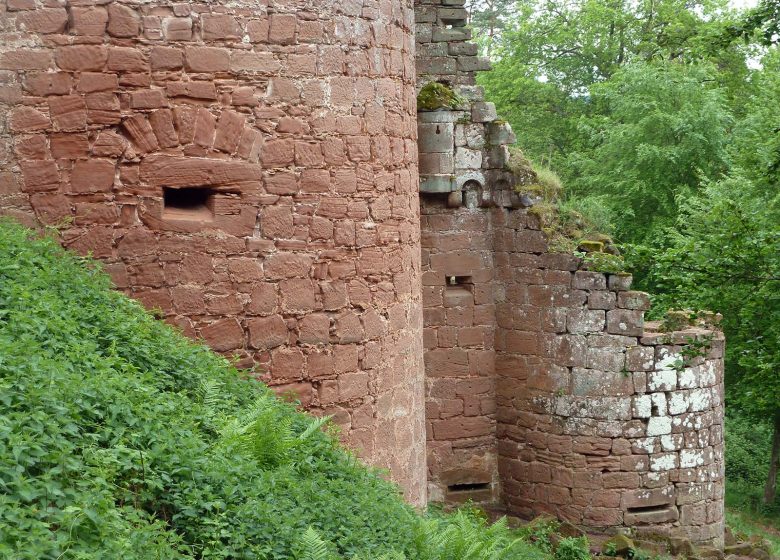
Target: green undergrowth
[(746, 524), (120, 438)]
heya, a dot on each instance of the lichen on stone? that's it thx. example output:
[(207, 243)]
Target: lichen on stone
[(435, 95)]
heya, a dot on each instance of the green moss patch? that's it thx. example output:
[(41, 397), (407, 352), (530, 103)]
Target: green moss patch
[(434, 96)]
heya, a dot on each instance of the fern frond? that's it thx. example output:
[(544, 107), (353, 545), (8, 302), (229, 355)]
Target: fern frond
[(314, 426), (313, 546)]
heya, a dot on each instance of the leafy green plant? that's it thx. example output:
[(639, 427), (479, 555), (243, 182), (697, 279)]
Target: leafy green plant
[(539, 532), (120, 438), (466, 535), (435, 95), (573, 548), (604, 262)]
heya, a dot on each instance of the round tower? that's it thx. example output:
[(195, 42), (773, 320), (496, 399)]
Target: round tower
[(247, 168)]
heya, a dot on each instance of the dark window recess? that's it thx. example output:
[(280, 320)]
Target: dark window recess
[(649, 509), (190, 203), (462, 281), (468, 487)]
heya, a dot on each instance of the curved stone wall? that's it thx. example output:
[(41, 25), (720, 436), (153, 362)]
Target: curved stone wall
[(247, 168), (546, 391)]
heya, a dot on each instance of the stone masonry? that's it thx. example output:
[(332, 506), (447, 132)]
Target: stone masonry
[(257, 173), (545, 391), (249, 170)]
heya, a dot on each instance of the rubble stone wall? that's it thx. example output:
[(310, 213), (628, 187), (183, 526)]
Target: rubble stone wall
[(247, 168), (546, 393)]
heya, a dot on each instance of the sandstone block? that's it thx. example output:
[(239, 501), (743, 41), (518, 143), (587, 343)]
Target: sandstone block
[(25, 59), (640, 358), (166, 58), (580, 321), (463, 427), (148, 99), (93, 175), (267, 332), (81, 57), (48, 83), (247, 61), (27, 119), (177, 28), (161, 122), (219, 27), (282, 29), (39, 175), (483, 111), (206, 59), (140, 131), (44, 20), (633, 300), (601, 299), (89, 20), (620, 282), (102, 108), (70, 146), (626, 322), (90, 82), (123, 21)]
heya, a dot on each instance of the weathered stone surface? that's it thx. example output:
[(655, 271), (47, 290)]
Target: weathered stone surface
[(254, 175)]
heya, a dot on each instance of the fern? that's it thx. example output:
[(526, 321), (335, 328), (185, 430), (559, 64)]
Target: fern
[(314, 426), (464, 535), (313, 546), (263, 433)]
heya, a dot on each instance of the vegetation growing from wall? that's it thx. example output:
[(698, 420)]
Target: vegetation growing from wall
[(120, 438), (434, 96), (665, 113)]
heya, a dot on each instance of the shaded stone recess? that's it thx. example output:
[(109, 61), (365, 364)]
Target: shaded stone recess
[(546, 392), (247, 168)]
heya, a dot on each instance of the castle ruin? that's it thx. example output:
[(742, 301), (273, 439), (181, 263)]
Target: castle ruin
[(257, 171)]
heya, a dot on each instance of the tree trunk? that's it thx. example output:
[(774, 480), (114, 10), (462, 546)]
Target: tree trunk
[(771, 479)]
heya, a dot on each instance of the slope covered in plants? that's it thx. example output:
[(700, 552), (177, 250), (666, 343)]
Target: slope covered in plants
[(120, 438)]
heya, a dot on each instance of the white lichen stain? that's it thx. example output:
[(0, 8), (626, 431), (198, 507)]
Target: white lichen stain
[(659, 425), (666, 462), (700, 400), (690, 458)]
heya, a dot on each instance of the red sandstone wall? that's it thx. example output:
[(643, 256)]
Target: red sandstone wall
[(302, 257), (544, 391), (459, 291)]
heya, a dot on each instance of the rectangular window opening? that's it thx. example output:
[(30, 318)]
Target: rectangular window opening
[(188, 203), (649, 509), (468, 487), (459, 282)]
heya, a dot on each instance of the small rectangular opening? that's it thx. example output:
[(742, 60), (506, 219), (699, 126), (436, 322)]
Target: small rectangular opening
[(188, 203), (468, 487), (649, 509), (459, 281)]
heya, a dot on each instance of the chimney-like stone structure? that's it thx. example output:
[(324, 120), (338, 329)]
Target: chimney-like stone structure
[(249, 170)]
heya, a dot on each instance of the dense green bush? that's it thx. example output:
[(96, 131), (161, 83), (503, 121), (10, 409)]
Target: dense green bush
[(748, 442), (119, 438)]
